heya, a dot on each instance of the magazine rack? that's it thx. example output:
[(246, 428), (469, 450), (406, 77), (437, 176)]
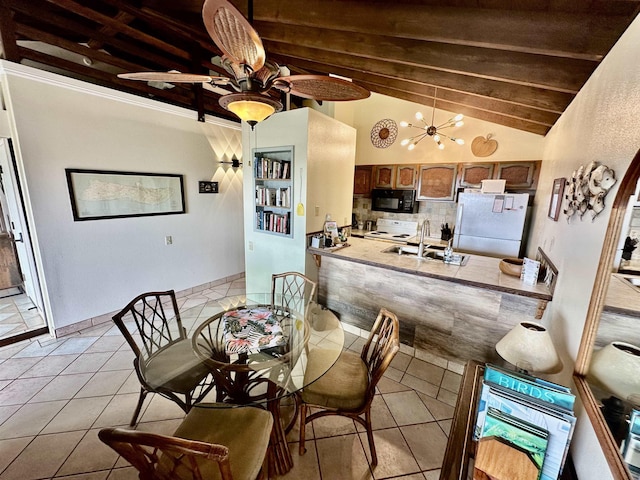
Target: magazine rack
[(460, 452)]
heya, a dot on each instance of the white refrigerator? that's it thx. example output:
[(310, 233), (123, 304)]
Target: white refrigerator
[(490, 224)]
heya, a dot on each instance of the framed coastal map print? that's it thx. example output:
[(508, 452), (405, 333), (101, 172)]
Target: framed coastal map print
[(99, 194)]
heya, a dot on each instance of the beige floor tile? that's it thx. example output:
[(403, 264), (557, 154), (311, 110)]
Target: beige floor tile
[(121, 360), (49, 366), (119, 411), (74, 345), (49, 451), (381, 416), (10, 350), (125, 473), (401, 361), (432, 474), (62, 387), (36, 350), (446, 426), (14, 367), (420, 385), (160, 408), (438, 409), (414, 476), (451, 381), (447, 397), (30, 419), (106, 344), (304, 466), (78, 414), (407, 408), (89, 455), (89, 363), (10, 449), (104, 383), (425, 371), (102, 475), (21, 390), (393, 374), (427, 443), (162, 427), (387, 385), (342, 458), (394, 456), (131, 384), (332, 426), (6, 411)]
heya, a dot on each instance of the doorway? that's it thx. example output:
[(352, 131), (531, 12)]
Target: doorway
[(21, 312)]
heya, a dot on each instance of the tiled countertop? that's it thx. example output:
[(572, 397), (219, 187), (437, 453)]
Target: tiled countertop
[(480, 271), (622, 297)]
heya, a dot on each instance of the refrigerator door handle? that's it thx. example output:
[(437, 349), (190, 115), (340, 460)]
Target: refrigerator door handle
[(458, 225)]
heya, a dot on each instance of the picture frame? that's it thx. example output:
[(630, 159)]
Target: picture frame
[(102, 194), (555, 203)]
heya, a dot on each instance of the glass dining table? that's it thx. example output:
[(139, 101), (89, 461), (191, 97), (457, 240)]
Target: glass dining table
[(256, 347)]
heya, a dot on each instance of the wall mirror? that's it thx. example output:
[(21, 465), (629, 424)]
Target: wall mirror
[(612, 318)]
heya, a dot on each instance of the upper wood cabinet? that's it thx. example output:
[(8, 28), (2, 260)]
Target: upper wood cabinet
[(362, 180), (472, 174), (517, 174), (406, 176), (384, 176), (437, 182)]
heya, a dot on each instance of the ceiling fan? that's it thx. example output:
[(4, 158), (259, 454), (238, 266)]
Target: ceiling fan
[(251, 75)]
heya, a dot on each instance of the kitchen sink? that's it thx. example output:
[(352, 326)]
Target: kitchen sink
[(428, 254)]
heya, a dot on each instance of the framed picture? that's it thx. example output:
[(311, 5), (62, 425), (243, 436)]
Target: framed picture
[(100, 194), (556, 198)]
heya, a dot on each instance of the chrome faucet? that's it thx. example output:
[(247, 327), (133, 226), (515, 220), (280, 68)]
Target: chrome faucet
[(426, 230), (448, 251)]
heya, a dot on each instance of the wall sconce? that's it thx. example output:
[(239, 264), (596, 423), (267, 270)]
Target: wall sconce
[(234, 162), (528, 346)]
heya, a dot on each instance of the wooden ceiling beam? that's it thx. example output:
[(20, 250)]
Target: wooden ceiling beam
[(121, 17), (151, 59), (118, 27), (8, 39), (517, 94), (562, 74), (590, 34)]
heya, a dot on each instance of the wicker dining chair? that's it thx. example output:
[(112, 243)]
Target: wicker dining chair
[(213, 443), (165, 361), (348, 387), (292, 290)]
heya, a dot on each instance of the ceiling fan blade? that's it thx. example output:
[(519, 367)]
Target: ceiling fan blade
[(321, 87), (172, 77), (233, 34)]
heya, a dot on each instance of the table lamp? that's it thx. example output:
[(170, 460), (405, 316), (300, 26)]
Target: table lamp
[(528, 346), (616, 368)]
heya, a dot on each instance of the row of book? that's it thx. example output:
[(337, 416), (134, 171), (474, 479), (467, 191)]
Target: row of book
[(273, 197), (272, 168), (524, 426), (631, 445), (273, 222)]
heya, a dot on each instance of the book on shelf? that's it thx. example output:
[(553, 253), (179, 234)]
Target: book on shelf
[(533, 400), (509, 448)]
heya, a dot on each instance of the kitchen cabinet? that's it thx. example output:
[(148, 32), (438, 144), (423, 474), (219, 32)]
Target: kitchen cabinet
[(406, 176), (384, 176), (472, 174), (362, 180), (437, 182), (517, 174)]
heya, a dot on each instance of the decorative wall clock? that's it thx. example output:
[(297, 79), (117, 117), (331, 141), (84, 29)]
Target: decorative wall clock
[(384, 133)]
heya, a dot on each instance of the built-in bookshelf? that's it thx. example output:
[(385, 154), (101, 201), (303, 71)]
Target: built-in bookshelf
[(273, 187)]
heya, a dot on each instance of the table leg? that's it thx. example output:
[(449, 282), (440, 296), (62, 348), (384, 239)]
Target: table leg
[(282, 460)]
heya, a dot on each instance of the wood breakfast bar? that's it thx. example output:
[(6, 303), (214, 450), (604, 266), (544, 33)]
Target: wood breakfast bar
[(454, 312)]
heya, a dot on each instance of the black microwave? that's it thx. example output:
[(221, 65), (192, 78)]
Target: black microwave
[(399, 201)]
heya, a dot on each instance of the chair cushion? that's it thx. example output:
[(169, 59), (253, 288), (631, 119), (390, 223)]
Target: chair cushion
[(342, 387), (245, 431), (176, 368)]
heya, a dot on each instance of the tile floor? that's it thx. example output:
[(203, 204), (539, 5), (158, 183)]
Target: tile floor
[(18, 314), (55, 395)]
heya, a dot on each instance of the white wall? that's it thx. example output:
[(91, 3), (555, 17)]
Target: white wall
[(94, 267), (601, 124), (364, 114)]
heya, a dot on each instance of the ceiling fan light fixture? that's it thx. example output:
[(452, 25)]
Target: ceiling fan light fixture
[(250, 107)]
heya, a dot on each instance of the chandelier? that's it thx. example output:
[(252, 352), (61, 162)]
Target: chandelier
[(430, 130)]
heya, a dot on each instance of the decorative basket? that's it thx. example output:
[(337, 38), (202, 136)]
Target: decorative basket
[(511, 266)]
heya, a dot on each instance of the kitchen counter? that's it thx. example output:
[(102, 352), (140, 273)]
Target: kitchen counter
[(622, 296), (453, 312), (480, 271), (621, 312)]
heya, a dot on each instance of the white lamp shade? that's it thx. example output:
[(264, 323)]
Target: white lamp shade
[(616, 367), (528, 345)]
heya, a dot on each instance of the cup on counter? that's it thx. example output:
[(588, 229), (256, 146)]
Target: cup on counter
[(369, 225), (360, 225)]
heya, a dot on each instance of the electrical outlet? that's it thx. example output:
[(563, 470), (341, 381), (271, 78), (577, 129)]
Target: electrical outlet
[(250, 246), (168, 240), (317, 211)]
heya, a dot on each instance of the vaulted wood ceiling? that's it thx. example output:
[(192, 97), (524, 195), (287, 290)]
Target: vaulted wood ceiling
[(517, 63)]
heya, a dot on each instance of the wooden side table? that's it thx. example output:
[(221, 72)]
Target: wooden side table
[(461, 448)]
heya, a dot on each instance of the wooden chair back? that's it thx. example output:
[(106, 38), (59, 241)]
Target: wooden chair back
[(292, 290), (157, 321), (382, 345), (161, 457)]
